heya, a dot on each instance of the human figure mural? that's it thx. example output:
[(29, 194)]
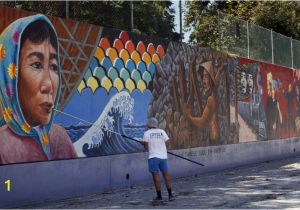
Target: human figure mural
[(199, 96), (289, 97), (30, 82), (297, 119), (210, 111), (273, 112)]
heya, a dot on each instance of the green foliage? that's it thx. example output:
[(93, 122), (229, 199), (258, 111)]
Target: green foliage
[(280, 16), (154, 18), (223, 25)]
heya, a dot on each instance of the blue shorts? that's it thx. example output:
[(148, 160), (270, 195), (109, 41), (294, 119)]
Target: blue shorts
[(157, 164)]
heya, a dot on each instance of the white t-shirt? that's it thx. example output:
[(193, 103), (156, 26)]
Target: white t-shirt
[(156, 138)]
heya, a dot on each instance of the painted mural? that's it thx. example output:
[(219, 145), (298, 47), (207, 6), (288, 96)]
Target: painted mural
[(268, 101), (30, 82), (117, 89), (61, 101), (191, 96)]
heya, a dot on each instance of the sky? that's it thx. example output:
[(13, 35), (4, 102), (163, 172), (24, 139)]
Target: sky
[(177, 23)]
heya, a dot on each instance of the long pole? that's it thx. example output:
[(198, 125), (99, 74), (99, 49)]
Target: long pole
[(87, 122), (171, 153)]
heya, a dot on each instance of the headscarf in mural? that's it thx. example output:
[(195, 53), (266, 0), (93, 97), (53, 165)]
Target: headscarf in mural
[(13, 116)]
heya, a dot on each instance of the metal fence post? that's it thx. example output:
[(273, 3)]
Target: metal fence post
[(292, 54), (272, 47), (67, 9), (248, 40)]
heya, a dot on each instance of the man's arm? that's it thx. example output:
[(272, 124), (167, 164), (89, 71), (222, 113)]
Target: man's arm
[(167, 144), (200, 122), (146, 145)]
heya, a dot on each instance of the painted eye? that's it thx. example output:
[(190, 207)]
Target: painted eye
[(37, 65), (54, 67)]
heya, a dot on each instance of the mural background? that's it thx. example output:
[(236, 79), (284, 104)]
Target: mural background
[(120, 79)]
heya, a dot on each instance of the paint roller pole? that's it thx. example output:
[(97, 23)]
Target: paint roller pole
[(89, 123), (168, 151)]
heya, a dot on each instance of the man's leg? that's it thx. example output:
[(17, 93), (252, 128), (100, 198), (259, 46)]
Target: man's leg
[(154, 170), (156, 181), (167, 179), (164, 169)]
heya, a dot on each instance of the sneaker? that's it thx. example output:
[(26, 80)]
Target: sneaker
[(171, 198), (157, 199), (157, 202)]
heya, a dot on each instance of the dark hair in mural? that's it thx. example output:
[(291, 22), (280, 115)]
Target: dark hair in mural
[(39, 31)]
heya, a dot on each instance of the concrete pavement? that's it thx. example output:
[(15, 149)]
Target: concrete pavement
[(272, 185)]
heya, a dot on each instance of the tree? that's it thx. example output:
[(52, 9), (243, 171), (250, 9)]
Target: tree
[(223, 25), (279, 16), (153, 18)]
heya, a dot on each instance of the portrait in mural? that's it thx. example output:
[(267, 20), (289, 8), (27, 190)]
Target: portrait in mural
[(247, 75), (30, 87)]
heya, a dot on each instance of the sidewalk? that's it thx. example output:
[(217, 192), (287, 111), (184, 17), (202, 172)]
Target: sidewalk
[(272, 185)]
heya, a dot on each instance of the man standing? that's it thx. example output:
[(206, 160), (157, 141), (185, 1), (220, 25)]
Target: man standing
[(155, 140)]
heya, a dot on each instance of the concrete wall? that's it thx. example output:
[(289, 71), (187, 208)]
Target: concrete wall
[(52, 180)]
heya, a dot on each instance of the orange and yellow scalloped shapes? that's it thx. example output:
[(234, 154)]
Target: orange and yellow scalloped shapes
[(106, 83), (111, 53), (129, 46), (118, 44), (135, 56), (160, 51), (104, 43), (92, 83), (99, 54), (141, 86), (124, 55), (118, 84), (141, 47), (124, 36), (81, 86), (155, 58), (151, 49), (129, 84), (146, 58)]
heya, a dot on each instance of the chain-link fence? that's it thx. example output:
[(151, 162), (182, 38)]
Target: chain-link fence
[(252, 41)]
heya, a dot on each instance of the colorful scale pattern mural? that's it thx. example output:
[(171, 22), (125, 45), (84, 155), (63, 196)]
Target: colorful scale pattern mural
[(122, 65)]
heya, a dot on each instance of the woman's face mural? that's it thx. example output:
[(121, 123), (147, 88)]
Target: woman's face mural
[(38, 63), (243, 82), (250, 82), (206, 80)]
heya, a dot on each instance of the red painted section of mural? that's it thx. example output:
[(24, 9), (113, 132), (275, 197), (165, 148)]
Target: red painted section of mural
[(278, 84)]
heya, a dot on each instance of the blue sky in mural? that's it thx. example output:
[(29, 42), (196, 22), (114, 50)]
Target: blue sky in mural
[(89, 106)]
